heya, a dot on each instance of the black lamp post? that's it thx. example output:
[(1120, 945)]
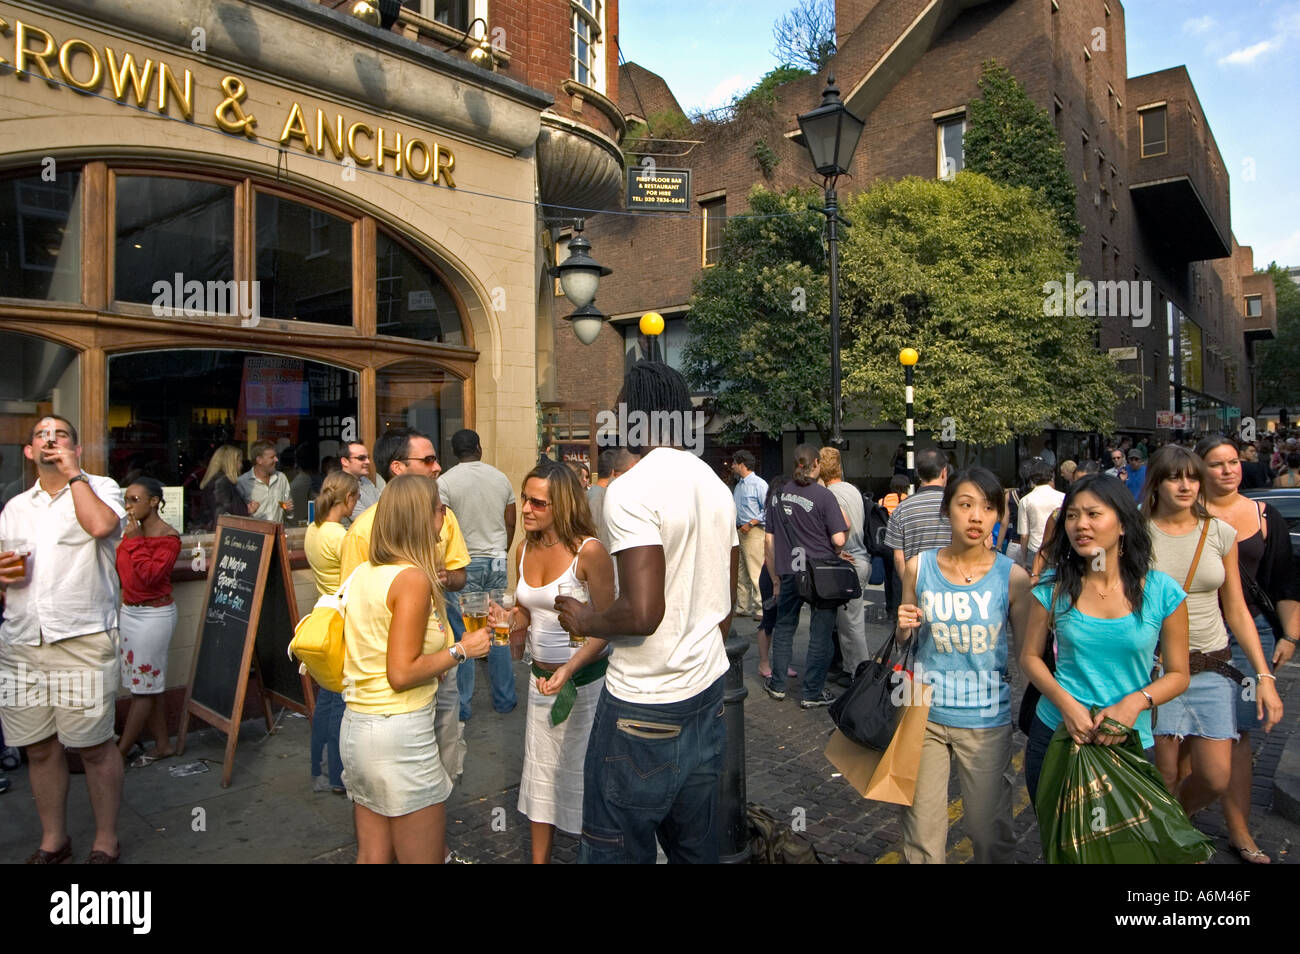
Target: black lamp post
[(580, 276), (831, 134)]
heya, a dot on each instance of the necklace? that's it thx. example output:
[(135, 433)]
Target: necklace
[(547, 546), (1106, 592), (968, 575)]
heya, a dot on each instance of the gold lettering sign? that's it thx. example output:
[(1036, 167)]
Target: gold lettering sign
[(86, 68)]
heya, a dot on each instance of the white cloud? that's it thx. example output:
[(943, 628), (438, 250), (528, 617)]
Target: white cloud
[(721, 94), (1249, 54), (1199, 25)]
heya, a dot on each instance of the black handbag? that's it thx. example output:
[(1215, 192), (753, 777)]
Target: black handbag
[(867, 712), (824, 583)]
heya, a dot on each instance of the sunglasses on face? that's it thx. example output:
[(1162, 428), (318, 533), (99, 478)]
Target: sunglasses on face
[(363, 457), (428, 461), (537, 504)]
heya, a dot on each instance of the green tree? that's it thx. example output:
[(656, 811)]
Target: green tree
[(759, 340), (1278, 359), (957, 270), (1012, 141)]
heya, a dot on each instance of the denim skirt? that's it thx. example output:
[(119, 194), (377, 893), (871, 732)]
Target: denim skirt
[(1247, 720), (1208, 709), (390, 762)]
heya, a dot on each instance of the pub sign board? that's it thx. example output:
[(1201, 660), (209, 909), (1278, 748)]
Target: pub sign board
[(658, 190)]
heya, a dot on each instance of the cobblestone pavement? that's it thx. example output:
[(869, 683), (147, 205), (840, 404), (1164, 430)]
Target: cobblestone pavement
[(270, 814)]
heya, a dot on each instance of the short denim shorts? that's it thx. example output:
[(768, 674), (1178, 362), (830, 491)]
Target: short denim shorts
[(1208, 709), (390, 762)]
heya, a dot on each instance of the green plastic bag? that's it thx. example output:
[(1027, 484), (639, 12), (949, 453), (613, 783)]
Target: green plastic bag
[(1107, 805)]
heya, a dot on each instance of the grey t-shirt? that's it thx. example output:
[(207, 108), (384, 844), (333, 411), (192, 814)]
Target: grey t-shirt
[(1173, 555), (478, 494), (850, 499)]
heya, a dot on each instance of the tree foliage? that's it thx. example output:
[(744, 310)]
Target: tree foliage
[(957, 270), (1012, 141), (758, 334), (805, 37), (1278, 359)]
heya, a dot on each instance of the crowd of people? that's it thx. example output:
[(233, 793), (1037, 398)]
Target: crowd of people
[(626, 585)]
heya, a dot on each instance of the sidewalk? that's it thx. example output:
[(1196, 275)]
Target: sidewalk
[(270, 814)]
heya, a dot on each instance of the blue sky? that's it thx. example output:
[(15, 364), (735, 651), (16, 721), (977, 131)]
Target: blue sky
[(1242, 56)]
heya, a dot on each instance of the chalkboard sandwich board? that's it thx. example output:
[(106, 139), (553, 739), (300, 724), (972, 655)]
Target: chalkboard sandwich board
[(249, 612)]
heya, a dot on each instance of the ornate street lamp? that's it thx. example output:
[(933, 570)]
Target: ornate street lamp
[(831, 134), (580, 276)]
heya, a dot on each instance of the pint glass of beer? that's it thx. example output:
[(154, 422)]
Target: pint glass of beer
[(577, 591)]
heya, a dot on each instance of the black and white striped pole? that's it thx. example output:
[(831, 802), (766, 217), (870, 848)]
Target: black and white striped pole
[(908, 358)]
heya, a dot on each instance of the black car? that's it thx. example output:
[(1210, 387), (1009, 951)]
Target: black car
[(1287, 502)]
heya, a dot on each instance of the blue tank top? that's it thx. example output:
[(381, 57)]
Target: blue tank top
[(963, 644)]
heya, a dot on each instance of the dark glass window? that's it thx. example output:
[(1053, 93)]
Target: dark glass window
[(423, 397), (1154, 137), (37, 377), (412, 300), (715, 220), (167, 227), (304, 262), (170, 412), (40, 236)]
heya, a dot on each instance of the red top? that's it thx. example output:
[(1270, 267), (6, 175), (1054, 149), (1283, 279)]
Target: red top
[(144, 565)]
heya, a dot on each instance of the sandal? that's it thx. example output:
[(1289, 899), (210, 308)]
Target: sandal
[(42, 857), (104, 858), (765, 675), (144, 760), (1250, 856)]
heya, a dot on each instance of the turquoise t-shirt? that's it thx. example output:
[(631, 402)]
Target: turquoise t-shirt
[(1100, 661), (962, 650)]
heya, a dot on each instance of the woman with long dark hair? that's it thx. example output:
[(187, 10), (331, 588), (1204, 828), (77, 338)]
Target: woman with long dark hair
[(1267, 576), (1110, 610), (1201, 552)]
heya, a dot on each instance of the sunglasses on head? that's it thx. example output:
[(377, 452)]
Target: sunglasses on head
[(537, 504)]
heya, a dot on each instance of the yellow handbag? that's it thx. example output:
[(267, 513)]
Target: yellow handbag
[(318, 639)]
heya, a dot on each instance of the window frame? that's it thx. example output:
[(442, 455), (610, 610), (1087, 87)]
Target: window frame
[(595, 40), (1142, 131), (940, 124), (706, 205), (1249, 299)]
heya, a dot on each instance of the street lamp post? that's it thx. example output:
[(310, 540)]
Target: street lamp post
[(580, 276), (831, 134), (908, 358)]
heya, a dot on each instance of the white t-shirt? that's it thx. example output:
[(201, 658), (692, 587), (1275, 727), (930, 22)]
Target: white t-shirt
[(478, 494), (1035, 507), (674, 500)]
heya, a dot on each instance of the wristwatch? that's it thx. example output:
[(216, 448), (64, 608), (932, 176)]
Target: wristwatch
[(80, 477), (457, 653)]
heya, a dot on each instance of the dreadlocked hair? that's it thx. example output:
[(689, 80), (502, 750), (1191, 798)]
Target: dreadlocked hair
[(653, 386)]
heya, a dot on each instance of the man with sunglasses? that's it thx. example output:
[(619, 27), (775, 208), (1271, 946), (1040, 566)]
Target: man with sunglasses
[(61, 595), (404, 450), (355, 460)]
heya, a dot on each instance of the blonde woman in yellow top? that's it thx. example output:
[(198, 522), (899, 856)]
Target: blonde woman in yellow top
[(397, 648), (338, 495)]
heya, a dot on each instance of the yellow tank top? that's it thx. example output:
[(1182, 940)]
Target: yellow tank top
[(365, 663)]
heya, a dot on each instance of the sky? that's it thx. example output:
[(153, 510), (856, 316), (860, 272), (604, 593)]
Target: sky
[(1243, 57)]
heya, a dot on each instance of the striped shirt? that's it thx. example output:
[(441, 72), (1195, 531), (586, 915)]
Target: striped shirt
[(917, 525)]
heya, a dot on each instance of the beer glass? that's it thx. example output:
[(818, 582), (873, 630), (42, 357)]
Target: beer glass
[(17, 546), (474, 611), (500, 610), (578, 591)]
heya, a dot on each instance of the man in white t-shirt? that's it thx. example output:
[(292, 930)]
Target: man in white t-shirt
[(672, 529), (1035, 508), (484, 503)]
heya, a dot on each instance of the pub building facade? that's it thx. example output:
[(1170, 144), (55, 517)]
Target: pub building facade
[(267, 220)]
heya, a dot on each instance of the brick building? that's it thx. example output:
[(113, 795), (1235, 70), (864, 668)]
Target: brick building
[(1152, 190)]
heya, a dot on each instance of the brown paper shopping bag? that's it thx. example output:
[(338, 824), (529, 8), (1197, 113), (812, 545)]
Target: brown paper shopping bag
[(888, 776)]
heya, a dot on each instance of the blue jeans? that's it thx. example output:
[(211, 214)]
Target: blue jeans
[(483, 574), (326, 721), (820, 645), (653, 770)]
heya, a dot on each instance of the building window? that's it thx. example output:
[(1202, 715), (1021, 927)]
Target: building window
[(666, 347), (715, 220), (454, 13), (1191, 349), (298, 275), (413, 302), (585, 20), (40, 237), (1151, 125), (170, 412), (170, 226), (422, 396), (37, 377), (1254, 306), (951, 156)]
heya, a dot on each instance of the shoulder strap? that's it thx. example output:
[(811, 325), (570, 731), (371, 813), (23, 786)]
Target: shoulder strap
[(1196, 558), (341, 594)]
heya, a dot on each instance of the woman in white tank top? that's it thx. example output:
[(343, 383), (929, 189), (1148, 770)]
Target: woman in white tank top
[(559, 546)]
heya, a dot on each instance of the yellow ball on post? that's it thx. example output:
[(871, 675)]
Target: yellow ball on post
[(652, 323), (908, 357)]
